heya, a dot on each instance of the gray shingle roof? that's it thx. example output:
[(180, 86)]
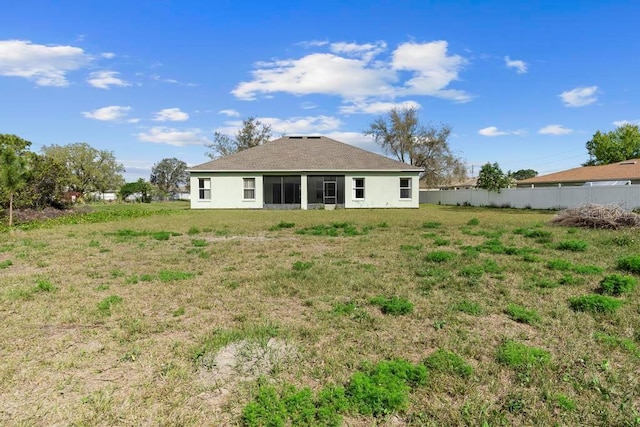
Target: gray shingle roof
[(304, 153)]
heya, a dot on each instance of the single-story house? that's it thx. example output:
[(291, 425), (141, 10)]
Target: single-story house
[(304, 172), (620, 173)]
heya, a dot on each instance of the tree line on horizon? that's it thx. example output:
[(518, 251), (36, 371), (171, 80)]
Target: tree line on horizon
[(41, 180)]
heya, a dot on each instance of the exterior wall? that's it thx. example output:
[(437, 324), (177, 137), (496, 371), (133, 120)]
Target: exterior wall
[(227, 191), (626, 196), (381, 190)]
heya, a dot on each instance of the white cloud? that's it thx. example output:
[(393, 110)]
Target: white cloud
[(580, 96), (108, 55), (350, 71), (313, 43), (365, 51), (229, 113), (291, 126), (376, 107), (626, 122), (106, 79), (45, 65), (171, 136), (109, 114), (519, 65), (433, 69), (494, 131), (555, 130), (171, 115)]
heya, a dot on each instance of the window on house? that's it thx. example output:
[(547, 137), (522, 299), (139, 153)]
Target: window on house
[(405, 188), (358, 188), (249, 188), (204, 188)]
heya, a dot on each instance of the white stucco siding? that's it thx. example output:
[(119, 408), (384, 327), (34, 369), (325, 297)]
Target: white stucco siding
[(226, 191), (381, 190)]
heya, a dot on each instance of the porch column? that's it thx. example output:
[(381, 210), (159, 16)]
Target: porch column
[(303, 192)]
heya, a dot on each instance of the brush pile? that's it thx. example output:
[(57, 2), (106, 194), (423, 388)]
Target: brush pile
[(597, 216)]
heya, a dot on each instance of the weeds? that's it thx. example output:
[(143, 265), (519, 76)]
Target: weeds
[(105, 305), (171, 276), (521, 356), (617, 284), (6, 263), (446, 362), (281, 225), (439, 256), (595, 303), (522, 314), (395, 306), (469, 307), (630, 263), (572, 245)]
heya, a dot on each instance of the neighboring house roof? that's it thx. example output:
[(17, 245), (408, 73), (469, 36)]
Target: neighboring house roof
[(303, 153), (626, 170), (467, 183)]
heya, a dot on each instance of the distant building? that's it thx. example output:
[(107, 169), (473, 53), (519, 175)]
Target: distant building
[(626, 172)]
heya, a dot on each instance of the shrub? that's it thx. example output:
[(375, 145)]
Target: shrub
[(595, 303), (572, 245), (439, 256), (630, 263), (522, 315), (395, 306), (518, 355), (384, 388), (617, 284), (446, 362)]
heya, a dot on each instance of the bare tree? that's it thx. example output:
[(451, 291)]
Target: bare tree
[(400, 134), (252, 133)]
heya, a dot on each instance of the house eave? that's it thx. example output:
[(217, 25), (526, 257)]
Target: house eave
[(303, 170)]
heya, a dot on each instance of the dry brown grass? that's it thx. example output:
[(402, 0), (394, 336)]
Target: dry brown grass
[(66, 362)]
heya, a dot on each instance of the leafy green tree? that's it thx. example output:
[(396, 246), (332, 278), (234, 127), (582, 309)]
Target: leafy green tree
[(91, 169), (13, 175), (46, 183), (618, 145), (252, 134), (492, 178), (140, 186), (400, 134), (169, 175), (522, 174)]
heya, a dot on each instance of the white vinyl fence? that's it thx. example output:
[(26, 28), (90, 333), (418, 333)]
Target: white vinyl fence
[(626, 196)]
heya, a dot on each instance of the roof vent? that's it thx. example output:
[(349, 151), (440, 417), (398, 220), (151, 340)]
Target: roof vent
[(628, 163), (314, 137), (295, 137)]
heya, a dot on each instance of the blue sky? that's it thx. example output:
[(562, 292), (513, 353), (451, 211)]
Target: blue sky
[(524, 84)]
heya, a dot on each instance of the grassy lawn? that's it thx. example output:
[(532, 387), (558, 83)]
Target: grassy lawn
[(435, 316)]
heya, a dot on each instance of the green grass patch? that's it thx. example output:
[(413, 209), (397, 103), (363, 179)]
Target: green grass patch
[(446, 362), (572, 245), (381, 389), (521, 356), (617, 284), (193, 231), (564, 265), (395, 306), (614, 341), (469, 307), (439, 256), (301, 265), (281, 225), (522, 315), (6, 263), (473, 221), (105, 304), (199, 243), (431, 224), (44, 286), (595, 303), (630, 263), (171, 276), (334, 230)]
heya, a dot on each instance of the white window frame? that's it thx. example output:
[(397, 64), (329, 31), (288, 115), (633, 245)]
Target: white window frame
[(405, 188), (357, 188), (204, 188), (248, 188)]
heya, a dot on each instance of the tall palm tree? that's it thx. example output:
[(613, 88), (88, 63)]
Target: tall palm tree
[(13, 175)]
